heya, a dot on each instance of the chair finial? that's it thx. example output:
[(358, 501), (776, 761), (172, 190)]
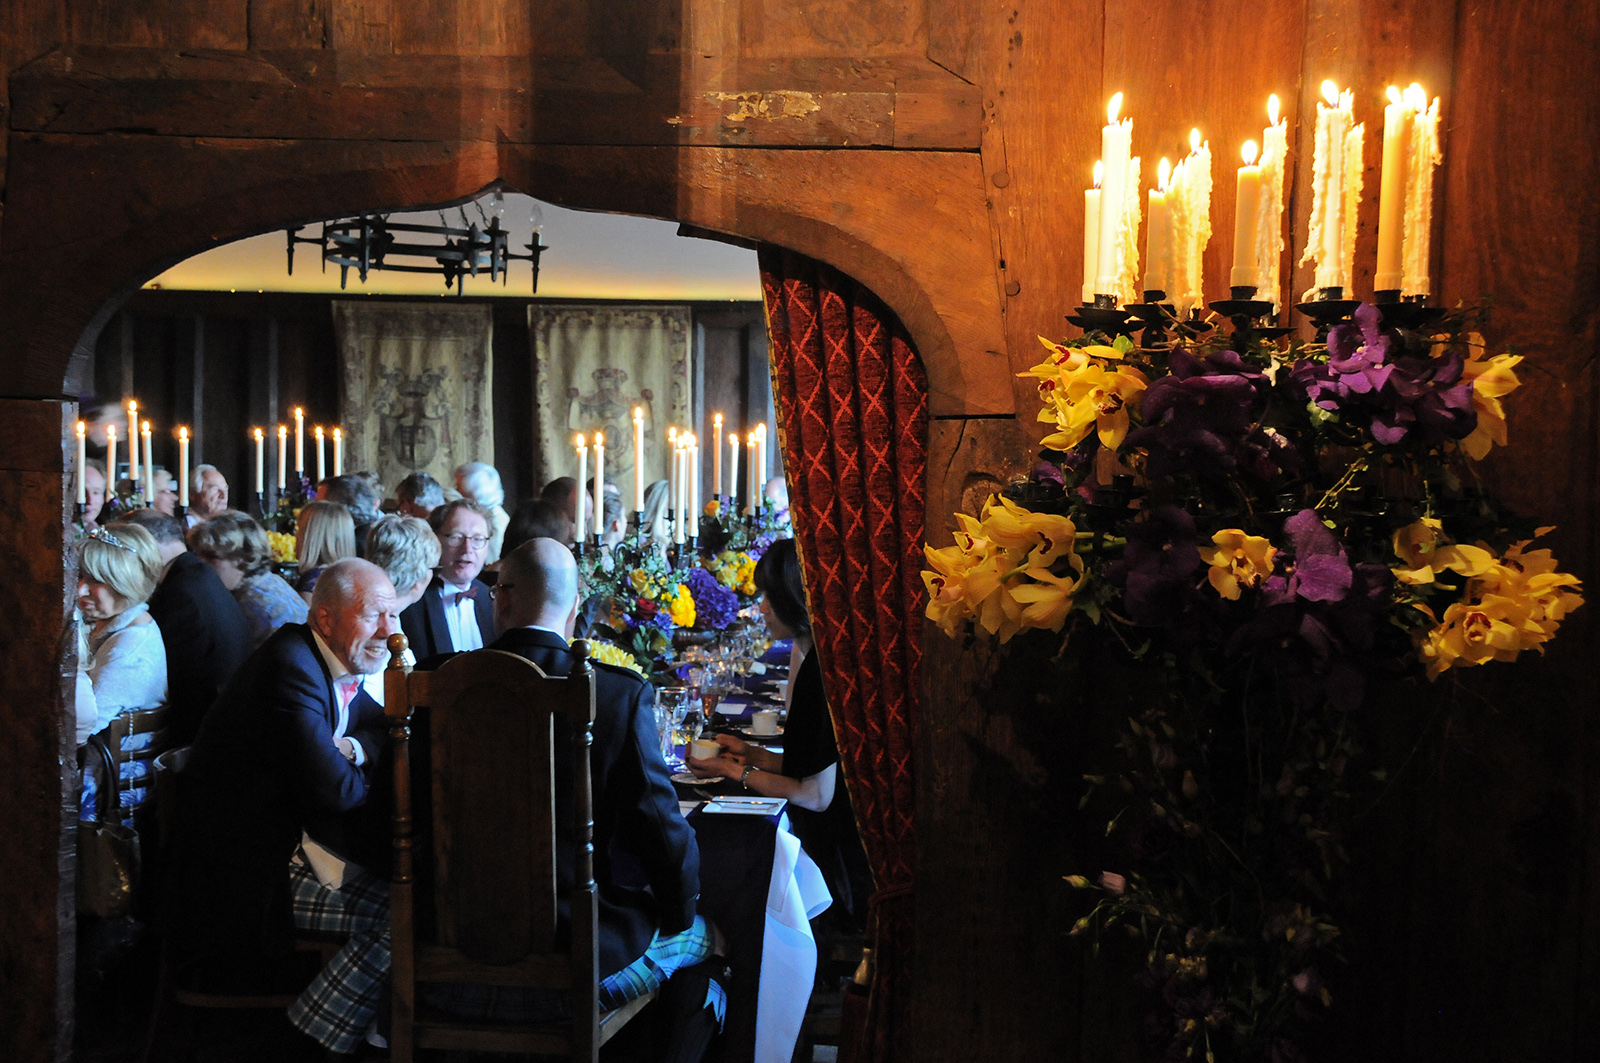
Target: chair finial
[(398, 644)]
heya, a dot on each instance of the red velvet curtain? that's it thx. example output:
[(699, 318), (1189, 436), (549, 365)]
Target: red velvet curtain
[(852, 403)]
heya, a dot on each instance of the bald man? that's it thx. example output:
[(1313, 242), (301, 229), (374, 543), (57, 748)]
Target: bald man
[(280, 763)]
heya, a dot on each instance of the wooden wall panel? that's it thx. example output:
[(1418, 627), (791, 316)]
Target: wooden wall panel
[(855, 28), (160, 23), (289, 24), (361, 26)]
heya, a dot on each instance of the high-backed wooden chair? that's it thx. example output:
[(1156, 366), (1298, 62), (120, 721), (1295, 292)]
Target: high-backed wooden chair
[(125, 725), (493, 851)]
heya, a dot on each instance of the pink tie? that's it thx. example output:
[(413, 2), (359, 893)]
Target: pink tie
[(348, 685)]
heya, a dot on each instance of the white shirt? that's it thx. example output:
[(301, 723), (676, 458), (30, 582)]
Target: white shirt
[(461, 617)]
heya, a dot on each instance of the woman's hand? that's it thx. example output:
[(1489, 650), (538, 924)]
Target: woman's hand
[(733, 744), (724, 766)]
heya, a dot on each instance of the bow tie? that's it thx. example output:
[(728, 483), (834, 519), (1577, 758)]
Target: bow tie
[(456, 596)]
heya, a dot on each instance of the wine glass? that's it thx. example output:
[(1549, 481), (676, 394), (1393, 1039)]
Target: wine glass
[(672, 703)]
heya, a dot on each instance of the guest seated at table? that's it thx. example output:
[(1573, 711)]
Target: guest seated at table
[(418, 495), (408, 552), (454, 613), (656, 503), (236, 547), (563, 491), (206, 634), (613, 524), (807, 771), (208, 494), (122, 655), (263, 838), (537, 518), (360, 494), (326, 533), (480, 482), (94, 475), (164, 491)]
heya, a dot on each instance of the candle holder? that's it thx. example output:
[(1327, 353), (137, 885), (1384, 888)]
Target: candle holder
[(1103, 316), (261, 505), (180, 511), (578, 549), (1328, 310), (1409, 314), (79, 510), (1157, 315), (1248, 315)]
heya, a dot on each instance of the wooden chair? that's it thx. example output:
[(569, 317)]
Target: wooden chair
[(493, 858), (123, 726)]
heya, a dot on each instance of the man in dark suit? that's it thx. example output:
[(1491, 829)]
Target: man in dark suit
[(454, 614), (274, 772), (206, 636)]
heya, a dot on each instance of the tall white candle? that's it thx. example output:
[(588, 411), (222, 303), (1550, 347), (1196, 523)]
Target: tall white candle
[(338, 452), (133, 445), (1189, 202), (149, 466), (716, 454), (599, 484), (638, 459), (261, 463), (1116, 143), (751, 490), (283, 457), (1269, 234), (1158, 254), (762, 473), (694, 485), (322, 462), (299, 441), (183, 467), (1392, 193), (733, 470), (111, 461), (583, 478), (1335, 192), (680, 497), (1091, 232), (83, 463), (1417, 245), (1247, 198)]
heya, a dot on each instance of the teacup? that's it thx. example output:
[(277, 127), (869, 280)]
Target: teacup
[(765, 722), (704, 749)]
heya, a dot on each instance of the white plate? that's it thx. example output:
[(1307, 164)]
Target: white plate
[(751, 732)]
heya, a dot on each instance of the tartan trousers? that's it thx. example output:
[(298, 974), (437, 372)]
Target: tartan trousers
[(338, 1006)]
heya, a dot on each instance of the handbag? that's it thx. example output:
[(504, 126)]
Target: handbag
[(108, 852)]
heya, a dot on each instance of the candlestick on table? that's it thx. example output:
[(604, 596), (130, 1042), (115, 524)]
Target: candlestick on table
[(1424, 158), (1158, 252), (261, 463), (750, 477), (716, 454), (733, 470), (111, 461), (133, 446), (693, 514), (83, 463), (149, 467), (338, 452), (1269, 234), (599, 485), (299, 442), (322, 465), (283, 457), (583, 475), (638, 459), (183, 466), (1247, 198), (680, 490)]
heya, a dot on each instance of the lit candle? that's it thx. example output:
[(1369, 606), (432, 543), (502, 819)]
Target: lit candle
[(1116, 143), (133, 444), (1246, 200), (1189, 203), (1425, 155), (761, 458), (716, 454), (283, 457), (750, 480), (1335, 191), (111, 461), (733, 469), (83, 463), (261, 463), (299, 441), (1158, 255), (599, 484), (1269, 235), (149, 466), (674, 476), (338, 452), (693, 459), (1091, 232), (583, 477), (183, 467), (1392, 193), (638, 459), (680, 496), (322, 465)]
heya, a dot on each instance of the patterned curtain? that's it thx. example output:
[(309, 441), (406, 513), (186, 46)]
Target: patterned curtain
[(853, 422)]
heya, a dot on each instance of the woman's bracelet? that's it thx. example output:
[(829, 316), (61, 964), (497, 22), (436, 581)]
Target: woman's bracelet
[(744, 777)]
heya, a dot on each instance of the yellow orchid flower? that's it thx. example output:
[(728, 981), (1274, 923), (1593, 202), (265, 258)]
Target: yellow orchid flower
[(1237, 561), (1012, 527), (1492, 380), (1426, 553), (1081, 394), (1048, 599)]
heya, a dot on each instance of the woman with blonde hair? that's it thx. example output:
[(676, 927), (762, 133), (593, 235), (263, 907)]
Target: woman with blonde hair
[(325, 533), (122, 661)]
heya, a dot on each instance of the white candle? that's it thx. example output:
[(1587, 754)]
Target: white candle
[(751, 490), (1189, 201), (733, 469), (133, 444), (1392, 193), (338, 452), (1335, 192), (1116, 142), (761, 459), (1269, 234), (1247, 198), (83, 463), (638, 459), (183, 467), (1091, 232), (694, 485), (111, 461), (283, 457), (322, 464), (299, 441), (680, 498), (1417, 245), (149, 467), (599, 484), (583, 477), (1158, 255), (261, 463), (716, 454)]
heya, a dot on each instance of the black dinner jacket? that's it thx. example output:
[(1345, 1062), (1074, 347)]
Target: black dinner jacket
[(206, 636), (262, 770), (424, 624), (635, 808)]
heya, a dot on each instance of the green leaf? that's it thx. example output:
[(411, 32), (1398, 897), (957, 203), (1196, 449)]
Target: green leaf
[(1123, 344)]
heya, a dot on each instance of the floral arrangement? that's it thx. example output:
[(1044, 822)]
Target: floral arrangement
[(282, 544), (610, 653), (1265, 529)]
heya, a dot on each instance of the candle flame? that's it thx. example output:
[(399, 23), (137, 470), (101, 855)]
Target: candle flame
[(599, 439), (1099, 173), (1194, 141), (750, 439), (716, 419), (145, 428), (1330, 92), (82, 429), (1249, 152), (733, 439), (319, 431), (1164, 172), (258, 433), (337, 434), (638, 414), (1272, 109), (111, 432), (183, 433), (1416, 97), (1393, 94), (1113, 109), (580, 439), (299, 413), (133, 405), (283, 433)]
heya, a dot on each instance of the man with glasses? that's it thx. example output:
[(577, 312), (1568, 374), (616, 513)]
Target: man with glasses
[(454, 614)]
